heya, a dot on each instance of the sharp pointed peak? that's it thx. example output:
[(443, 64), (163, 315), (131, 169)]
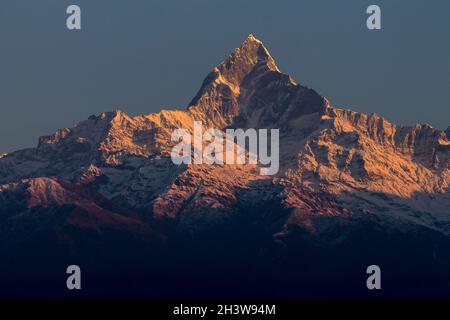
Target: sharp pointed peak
[(242, 60), (251, 55), (254, 49), (252, 38)]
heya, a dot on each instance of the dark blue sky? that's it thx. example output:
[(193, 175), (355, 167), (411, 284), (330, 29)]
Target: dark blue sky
[(143, 55)]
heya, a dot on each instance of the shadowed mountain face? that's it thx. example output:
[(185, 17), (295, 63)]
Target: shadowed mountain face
[(352, 190)]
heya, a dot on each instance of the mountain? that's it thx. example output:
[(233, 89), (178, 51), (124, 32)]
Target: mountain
[(352, 188)]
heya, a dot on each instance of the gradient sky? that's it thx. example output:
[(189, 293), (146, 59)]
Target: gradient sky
[(144, 55)]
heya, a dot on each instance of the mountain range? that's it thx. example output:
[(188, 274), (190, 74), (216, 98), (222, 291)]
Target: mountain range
[(352, 190)]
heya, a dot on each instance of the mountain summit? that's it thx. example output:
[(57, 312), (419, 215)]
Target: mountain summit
[(343, 174), (250, 56), (248, 90)]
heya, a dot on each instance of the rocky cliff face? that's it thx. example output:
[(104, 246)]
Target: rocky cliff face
[(116, 170)]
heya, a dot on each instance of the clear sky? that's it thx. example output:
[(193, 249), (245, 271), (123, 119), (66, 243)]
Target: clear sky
[(144, 55)]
